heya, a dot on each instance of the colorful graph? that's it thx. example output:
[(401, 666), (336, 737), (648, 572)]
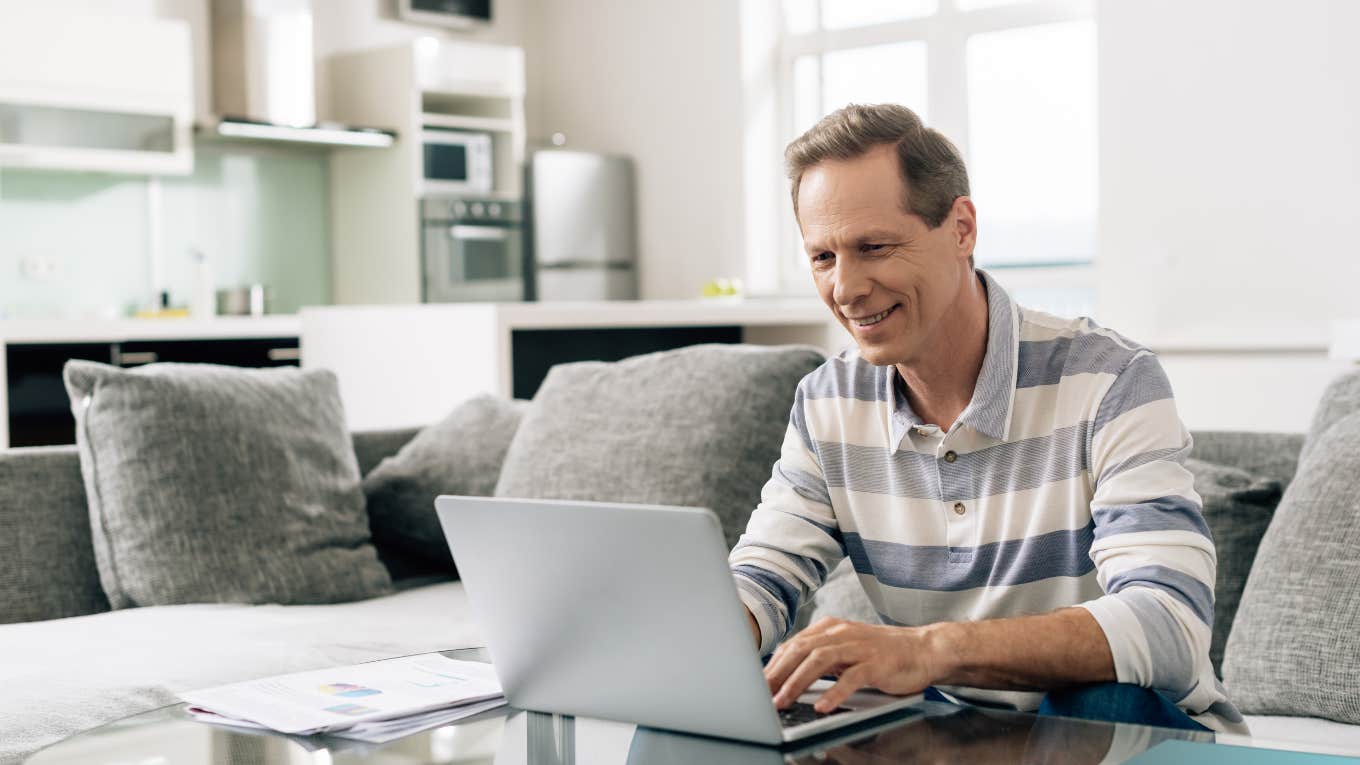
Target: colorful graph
[(348, 690)]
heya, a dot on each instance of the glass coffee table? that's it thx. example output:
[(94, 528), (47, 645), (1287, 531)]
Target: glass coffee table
[(928, 732)]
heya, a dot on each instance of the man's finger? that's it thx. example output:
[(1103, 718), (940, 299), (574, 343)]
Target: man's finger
[(789, 654), (786, 659), (851, 680), (819, 661)]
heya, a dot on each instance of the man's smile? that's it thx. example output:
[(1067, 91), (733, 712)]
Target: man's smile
[(869, 321)]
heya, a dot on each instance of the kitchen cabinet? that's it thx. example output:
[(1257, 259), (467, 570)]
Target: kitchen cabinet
[(431, 84), (37, 411), (129, 113)]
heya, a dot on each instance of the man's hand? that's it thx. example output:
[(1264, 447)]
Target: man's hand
[(897, 660), (1040, 652)]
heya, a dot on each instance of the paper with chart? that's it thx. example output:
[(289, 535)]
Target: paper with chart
[(342, 697)]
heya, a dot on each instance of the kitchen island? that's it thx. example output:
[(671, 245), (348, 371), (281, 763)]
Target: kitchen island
[(407, 366)]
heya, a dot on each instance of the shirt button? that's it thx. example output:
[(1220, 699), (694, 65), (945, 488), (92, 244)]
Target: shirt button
[(959, 508), (950, 457)]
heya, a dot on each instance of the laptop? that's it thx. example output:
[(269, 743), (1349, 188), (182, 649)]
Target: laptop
[(628, 613)]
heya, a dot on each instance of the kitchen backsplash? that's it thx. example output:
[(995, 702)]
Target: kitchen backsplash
[(77, 245)]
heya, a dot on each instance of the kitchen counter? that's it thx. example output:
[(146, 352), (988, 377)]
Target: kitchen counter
[(119, 330)]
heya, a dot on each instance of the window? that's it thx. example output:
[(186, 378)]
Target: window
[(1011, 82)]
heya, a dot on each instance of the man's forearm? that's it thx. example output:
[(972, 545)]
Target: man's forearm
[(1065, 647), (1054, 650)]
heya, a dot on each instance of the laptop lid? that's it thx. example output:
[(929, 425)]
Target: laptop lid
[(623, 612)]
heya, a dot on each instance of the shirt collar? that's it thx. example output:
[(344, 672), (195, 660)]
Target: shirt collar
[(989, 411)]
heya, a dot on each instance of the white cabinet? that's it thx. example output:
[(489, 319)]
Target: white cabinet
[(96, 94), (428, 84)]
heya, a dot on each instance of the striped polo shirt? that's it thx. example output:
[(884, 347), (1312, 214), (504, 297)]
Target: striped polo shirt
[(1061, 484)]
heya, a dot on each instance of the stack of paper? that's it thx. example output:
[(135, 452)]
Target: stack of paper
[(375, 702)]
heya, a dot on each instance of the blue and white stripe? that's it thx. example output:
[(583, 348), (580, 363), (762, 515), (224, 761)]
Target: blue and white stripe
[(1068, 467)]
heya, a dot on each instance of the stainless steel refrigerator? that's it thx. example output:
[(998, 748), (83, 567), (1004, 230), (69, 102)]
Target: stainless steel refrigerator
[(581, 226)]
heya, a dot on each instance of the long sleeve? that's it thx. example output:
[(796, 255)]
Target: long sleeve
[(1153, 552), (792, 539)]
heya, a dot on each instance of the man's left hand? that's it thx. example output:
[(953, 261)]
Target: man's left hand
[(896, 660)]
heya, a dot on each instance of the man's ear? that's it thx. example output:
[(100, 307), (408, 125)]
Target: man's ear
[(963, 219)]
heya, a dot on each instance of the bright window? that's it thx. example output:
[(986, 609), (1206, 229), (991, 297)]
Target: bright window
[(894, 72), (844, 14), (1032, 143)]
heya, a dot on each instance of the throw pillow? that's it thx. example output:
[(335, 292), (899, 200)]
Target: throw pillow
[(1237, 509), (1293, 648), (460, 454), (699, 426), (219, 484)]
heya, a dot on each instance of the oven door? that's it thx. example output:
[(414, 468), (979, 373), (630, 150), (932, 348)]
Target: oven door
[(465, 262)]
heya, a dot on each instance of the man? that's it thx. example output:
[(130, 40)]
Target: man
[(1007, 484)]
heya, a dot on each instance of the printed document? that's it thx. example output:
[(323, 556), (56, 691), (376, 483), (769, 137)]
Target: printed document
[(335, 699)]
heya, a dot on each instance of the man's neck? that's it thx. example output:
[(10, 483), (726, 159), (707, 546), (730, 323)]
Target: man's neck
[(941, 380)]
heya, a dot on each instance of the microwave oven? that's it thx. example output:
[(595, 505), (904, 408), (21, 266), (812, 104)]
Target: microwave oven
[(456, 161), (449, 13)]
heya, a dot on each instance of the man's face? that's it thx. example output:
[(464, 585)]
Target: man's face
[(887, 276)]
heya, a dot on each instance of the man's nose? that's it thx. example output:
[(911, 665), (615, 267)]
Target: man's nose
[(852, 282)]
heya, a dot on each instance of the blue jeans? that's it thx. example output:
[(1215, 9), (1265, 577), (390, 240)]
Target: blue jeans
[(1110, 702)]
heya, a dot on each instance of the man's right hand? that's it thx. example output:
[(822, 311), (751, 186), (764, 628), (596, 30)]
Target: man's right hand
[(755, 626)]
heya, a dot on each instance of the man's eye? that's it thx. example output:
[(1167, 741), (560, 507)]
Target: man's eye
[(823, 257), (873, 247)]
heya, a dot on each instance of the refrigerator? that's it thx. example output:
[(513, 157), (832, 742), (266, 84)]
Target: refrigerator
[(581, 226)]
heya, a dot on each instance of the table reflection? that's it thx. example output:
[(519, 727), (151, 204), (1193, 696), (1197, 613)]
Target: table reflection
[(930, 732), (937, 733)]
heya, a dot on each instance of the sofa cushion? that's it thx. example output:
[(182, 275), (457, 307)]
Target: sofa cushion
[(1237, 509), (80, 673), (47, 568), (460, 454), (1268, 455), (1293, 646), (699, 426), (371, 447), (220, 484)]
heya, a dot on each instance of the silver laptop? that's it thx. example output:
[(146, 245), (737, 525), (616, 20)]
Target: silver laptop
[(624, 612)]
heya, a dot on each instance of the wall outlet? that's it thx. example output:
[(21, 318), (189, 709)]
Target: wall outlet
[(39, 268)]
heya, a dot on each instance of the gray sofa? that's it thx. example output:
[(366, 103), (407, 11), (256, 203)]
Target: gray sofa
[(70, 664)]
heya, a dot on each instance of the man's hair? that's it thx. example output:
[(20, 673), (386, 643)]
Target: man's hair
[(932, 170)]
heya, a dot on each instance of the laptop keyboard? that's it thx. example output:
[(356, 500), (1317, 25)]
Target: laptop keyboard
[(798, 713)]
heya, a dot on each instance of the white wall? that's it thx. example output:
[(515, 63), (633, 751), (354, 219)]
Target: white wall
[(1229, 187), (660, 81)]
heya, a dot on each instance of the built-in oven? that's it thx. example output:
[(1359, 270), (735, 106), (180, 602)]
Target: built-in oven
[(472, 250), (456, 161)]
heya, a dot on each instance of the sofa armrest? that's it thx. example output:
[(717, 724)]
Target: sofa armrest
[(47, 568)]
